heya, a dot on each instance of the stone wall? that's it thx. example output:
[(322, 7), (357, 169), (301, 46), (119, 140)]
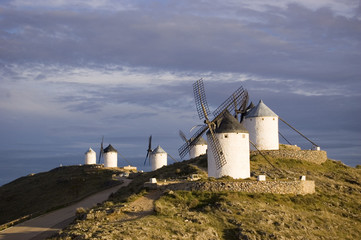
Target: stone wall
[(313, 156), (275, 187)]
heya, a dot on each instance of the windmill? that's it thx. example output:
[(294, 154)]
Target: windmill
[(90, 157), (157, 157), (101, 152), (110, 155), (230, 104)]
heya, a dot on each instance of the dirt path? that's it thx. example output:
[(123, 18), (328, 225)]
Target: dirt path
[(142, 206), (50, 223)]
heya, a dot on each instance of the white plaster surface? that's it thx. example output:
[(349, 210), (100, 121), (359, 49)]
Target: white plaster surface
[(235, 147), (197, 150), (158, 160), (111, 159), (90, 157), (263, 132)]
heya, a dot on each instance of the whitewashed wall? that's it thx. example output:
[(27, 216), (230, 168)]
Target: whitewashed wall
[(263, 132), (158, 160), (111, 159), (235, 147), (90, 157), (197, 150)]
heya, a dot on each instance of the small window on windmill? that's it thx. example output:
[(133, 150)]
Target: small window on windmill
[(243, 135), (273, 118), (262, 118), (225, 135)]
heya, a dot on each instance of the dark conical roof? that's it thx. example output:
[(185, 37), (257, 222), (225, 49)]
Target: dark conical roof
[(229, 124), (110, 149)]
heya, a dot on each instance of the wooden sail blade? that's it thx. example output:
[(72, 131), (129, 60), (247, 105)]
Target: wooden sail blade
[(183, 136), (217, 151), (200, 99), (236, 99)]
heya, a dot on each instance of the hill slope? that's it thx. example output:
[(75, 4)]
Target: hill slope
[(38, 193), (332, 213)]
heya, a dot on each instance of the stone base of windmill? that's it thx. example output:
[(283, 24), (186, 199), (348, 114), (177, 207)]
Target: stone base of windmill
[(262, 185), (295, 152)]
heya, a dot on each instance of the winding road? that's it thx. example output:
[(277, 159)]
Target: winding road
[(48, 224)]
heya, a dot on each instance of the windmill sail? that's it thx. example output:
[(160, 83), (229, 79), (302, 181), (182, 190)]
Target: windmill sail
[(101, 152), (183, 136), (200, 99), (237, 98), (149, 150)]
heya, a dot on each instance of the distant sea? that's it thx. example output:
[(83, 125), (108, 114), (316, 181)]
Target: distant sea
[(13, 168), (22, 164)]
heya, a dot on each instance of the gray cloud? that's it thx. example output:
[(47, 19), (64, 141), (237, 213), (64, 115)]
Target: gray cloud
[(313, 45)]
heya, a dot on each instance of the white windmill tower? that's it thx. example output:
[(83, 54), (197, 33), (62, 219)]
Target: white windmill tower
[(233, 139), (199, 146), (222, 156), (90, 157), (262, 125), (157, 157), (110, 157)]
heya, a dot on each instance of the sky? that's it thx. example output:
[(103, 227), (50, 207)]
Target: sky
[(74, 71)]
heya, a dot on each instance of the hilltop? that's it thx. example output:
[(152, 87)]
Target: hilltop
[(333, 212), (36, 194)]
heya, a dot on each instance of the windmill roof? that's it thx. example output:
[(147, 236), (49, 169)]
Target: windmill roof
[(110, 149), (200, 141), (261, 110), (89, 151), (229, 124), (158, 149)]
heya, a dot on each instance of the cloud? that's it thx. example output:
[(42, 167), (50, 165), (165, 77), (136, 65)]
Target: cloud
[(311, 44)]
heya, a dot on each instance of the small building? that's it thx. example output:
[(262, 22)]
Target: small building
[(90, 157), (130, 168), (198, 148), (234, 141), (110, 157), (262, 125), (158, 158)]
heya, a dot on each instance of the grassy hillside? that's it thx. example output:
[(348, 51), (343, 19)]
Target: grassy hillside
[(332, 213), (35, 194)]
